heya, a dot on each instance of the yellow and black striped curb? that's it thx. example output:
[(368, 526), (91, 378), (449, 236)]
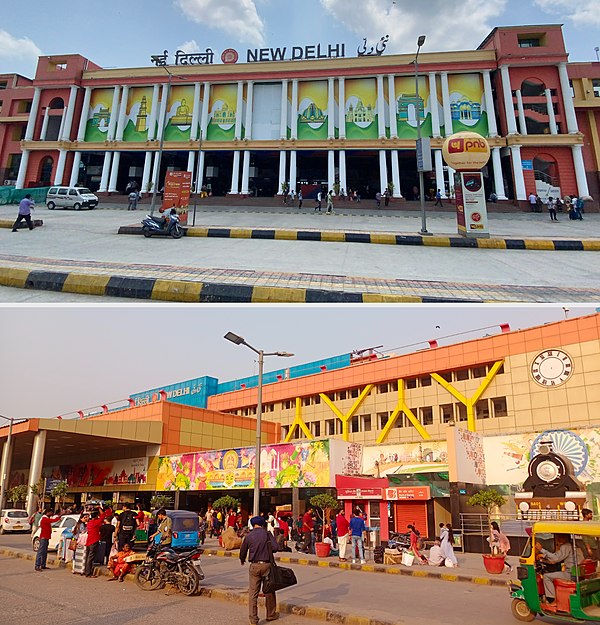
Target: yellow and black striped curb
[(8, 223), (410, 571), (387, 238)]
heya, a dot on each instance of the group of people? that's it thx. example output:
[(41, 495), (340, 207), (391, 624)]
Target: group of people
[(573, 206)]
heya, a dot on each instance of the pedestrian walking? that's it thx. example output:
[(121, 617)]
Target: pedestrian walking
[(308, 525), (292, 197), (378, 199), (533, 202), (343, 528), (300, 199), (133, 200), (330, 203), (446, 543), (552, 208), (25, 207), (319, 201), (438, 199), (386, 198), (45, 534), (500, 544), (258, 547), (126, 525), (357, 529)]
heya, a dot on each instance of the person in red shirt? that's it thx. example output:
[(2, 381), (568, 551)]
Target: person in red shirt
[(308, 525), (45, 534), (93, 538), (343, 528)]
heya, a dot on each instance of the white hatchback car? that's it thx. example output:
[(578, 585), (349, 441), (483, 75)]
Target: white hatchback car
[(13, 520), (65, 522)]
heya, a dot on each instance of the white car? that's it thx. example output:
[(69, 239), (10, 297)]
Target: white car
[(13, 520), (67, 521)]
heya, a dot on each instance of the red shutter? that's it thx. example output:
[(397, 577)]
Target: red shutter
[(413, 512)]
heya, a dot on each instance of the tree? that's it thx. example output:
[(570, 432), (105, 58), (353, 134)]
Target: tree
[(59, 491), (226, 503), (324, 504), (487, 499), (38, 490), (160, 501), (18, 494)]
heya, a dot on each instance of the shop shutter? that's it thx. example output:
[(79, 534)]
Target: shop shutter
[(413, 512)]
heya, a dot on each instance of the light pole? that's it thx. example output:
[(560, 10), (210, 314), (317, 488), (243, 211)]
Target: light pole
[(5, 464), (238, 340), (420, 44), (597, 50)]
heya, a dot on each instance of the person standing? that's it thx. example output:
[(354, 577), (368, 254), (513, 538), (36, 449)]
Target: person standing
[(319, 201), (330, 202), (300, 199), (378, 199), (258, 547), (25, 207), (93, 538), (45, 535), (107, 531), (165, 529), (533, 202), (446, 541), (308, 524), (438, 199), (126, 527), (386, 198), (35, 521), (501, 543), (357, 529), (133, 200), (552, 208), (343, 527), (591, 545)]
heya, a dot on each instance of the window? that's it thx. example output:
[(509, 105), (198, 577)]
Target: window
[(399, 423), (461, 374), (1, 106), (3, 84), (447, 413), (285, 430), (317, 399), (446, 376), (382, 388), (18, 133), (342, 395), (62, 191), (72, 192), (461, 409), (479, 372), (354, 393), (499, 404), (366, 423), (531, 42), (355, 425), (412, 383), (315, 428), (427, 415), (533, 88), (482, 409), (288, 404), (393, 386), (382, 418), (596, 85), (330, 427), (425, 381)]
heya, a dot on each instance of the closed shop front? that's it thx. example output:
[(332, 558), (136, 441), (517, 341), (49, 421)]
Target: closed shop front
[(409, 505)]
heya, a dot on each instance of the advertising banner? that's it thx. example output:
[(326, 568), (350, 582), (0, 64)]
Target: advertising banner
[(178, 185), (137, 116), (361, 109), (409, 109), (408, 493), (313, 110), (110, 473), (467, 103), (180, 110), (384, 460), (474, 212), (222, 113), (98, 115)]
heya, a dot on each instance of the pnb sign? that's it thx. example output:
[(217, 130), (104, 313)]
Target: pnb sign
[(466, 151)]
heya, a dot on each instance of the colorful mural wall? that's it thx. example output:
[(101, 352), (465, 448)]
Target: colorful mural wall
[(180, 110), (408, 108), (99, 115), (222, 113), (467, 103), (111, 473), (313, 110), (361, 109), (137, 114), (383, 460)]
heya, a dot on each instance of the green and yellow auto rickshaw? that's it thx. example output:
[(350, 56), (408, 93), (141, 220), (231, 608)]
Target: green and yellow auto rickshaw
[(577, 590)]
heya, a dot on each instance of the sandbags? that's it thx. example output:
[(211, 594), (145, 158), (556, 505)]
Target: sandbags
[(230, 539)]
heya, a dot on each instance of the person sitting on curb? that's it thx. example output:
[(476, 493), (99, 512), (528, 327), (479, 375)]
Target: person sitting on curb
[(118, 565)]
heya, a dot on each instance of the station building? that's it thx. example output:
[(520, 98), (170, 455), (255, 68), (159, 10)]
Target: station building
[(326, 118), (407, 437)]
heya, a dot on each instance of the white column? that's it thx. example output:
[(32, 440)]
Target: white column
[(380, 109), (75, 169), (294, 120), (433, 105), (191, 159), (35, 104), (114, 114), (22, 169), (35, 468), (249, 103), (393, 106), (383, 175), (196, 113), (122, 114), (246, 173), (396, 174), (235, 174), (146, 174), (162, 116), (60, 167), (509, 106), (62, 124), (343, 177), (84, 114), (205, 105), (200, 171), (565, 87), (498, 178), (582, 183), (105, 172), (238, 110), (282, 170), (551, 115), (114, 172), (66, 135), (155, 172), (517, 163), (153, 112), (330, 169), (342, 104), (45, 125), (489, 104), (293, 171), (446, 102), (451, 173), (521, 111), (330, 108), (284, 110), (439, 172)]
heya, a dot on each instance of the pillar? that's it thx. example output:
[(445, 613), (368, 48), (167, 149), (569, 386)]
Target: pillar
[(153, 110), (35, 104), (45, 125), (122, 114), (582, 184), (60, 167), (380, 108), (196, 113), (396, 174), (205, 105), (489, 104), (235, 175), (393, 106), (191, 158), (439, 172), (565, 87), (200, 171), (343, 177), (293, 182), (20, 184), (498, 178), (162, 116), (146, 174), (283, 127), (68, 121), (75, 169), (246, 173), (112, 124), (383, 175), (448, 130), (35, 468), (294, 120), (521, 111), (7, 452), (239, 108), (61, 129), (84, 114), (282, 170), (330, 169), (451, 173), (517, 164), (433, 105), (249, 104), (330, 108), (511, 120), (114, 172), (105, 172), (551, 114), (342, 104), (155, 172)]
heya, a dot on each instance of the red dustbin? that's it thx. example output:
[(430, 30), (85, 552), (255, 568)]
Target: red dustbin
[(589, 567), (564, 589)]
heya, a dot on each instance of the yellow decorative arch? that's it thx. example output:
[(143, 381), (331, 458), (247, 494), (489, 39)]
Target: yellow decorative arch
[(401, 407), (298, 423), (345, 418)]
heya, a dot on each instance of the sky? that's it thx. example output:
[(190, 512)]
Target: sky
[(56, 360), (114, 33)]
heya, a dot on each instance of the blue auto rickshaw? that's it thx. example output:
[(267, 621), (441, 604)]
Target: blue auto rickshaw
[(185, 529)]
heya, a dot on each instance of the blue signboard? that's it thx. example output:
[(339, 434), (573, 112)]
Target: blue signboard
[(527, 165)]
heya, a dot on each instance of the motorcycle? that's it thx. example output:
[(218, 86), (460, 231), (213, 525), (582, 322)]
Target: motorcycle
[(399, 541), (167, 226), (163, 565)]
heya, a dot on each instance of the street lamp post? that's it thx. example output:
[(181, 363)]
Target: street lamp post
[(161, 145), (5, 463), (238, 340), (420, 43)]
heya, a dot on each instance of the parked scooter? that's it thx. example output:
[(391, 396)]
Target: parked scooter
[(167, 225)]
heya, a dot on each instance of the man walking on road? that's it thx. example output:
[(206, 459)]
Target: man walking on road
[(258, 547), (45, 534), (25, 207)]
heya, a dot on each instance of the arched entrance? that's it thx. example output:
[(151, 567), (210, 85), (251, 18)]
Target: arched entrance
[(45, 171), (56, 110)]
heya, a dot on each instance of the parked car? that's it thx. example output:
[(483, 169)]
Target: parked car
[(13, 520), (71, 197), (67, 521)]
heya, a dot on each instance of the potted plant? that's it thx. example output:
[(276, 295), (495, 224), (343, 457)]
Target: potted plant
[(489, 499), (38, 491), (324, 506), (59, 491), (18, 494)]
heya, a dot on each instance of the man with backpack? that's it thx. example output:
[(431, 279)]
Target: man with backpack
[(126, 527)]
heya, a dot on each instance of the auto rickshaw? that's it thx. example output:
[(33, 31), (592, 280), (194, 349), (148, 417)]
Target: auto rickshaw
[(577, 598), (185, 529)]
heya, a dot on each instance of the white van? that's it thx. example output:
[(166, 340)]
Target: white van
[(71, 197)]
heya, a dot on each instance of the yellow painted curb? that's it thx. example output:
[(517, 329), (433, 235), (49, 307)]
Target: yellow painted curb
[(285, 559), (197, 232), (264, 294), (13, 277), (302, 561), (484, 581), (357, 620), (381, 298), (436, 241), (318, 613), (420, 574), (530, 244), (286, 235), (449, 578), (391, 571), (336, 237), (240, 233), (492, 244), (368, 567), (323, 564), (383, 239), (85, 284), (591, 246), (176, 291)]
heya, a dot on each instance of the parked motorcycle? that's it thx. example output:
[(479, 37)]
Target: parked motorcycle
[(166, 226), (399, 541), (163, 565)]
